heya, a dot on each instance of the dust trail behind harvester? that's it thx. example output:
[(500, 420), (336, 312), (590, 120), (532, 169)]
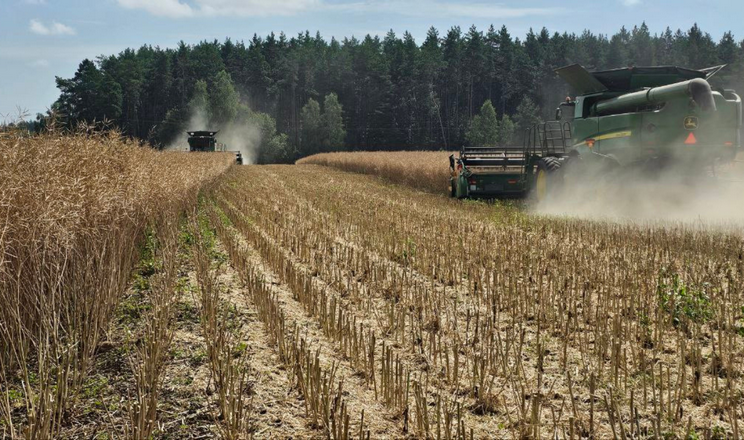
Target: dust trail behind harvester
[(197, 121), (244, 137), (713, 199)]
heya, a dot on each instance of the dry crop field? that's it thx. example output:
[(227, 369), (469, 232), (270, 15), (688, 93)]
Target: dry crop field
[(77, 214), (307, 302), (424, 170)]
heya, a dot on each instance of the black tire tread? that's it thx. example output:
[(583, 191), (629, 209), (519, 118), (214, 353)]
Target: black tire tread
[(552, 166), (549, 163)]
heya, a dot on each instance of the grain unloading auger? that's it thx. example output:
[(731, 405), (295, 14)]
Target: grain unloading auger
[(638, 118), (206, 141)]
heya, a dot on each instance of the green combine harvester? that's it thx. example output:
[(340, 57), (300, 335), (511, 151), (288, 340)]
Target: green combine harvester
[(639, 118), (206, 141)]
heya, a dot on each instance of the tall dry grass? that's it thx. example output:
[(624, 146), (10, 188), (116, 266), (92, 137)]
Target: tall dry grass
[(426, 170), (73, 209)]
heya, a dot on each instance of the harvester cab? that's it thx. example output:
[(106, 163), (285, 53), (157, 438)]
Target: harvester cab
[(637, 117), (206, 140)]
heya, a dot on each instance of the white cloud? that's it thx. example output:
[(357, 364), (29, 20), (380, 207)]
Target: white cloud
[(55, 28), (631, 2), (242, 8), (252, 8), (256, 7), (35, 2), (41, 64), (420, 8), (161, 8)]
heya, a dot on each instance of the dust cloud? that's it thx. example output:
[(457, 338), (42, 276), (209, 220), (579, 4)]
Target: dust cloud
[(710, 196), (197, 121), (243, 137)]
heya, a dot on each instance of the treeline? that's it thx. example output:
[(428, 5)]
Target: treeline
[(382, 93)]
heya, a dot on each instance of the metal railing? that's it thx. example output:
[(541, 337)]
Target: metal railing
[(548, 138), (544, 139)]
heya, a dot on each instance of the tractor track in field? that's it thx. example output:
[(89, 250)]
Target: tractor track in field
[(184, 406), (187, 406), (277, 408)]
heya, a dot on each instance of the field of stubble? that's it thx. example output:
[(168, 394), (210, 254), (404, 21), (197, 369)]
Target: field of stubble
[(399, 313)]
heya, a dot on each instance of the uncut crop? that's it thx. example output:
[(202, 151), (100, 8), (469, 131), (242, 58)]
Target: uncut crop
[(425, 170), (74, 210), (448, 320)]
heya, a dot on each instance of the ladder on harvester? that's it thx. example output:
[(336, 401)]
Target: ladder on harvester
[(548, 139)]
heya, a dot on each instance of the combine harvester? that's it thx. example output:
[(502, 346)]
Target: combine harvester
[(639, 118), (206, 141)]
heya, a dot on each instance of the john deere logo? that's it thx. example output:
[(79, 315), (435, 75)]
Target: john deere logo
[(691, 122)]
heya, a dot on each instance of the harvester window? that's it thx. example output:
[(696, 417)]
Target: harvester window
[(565, 112), (589, 109)]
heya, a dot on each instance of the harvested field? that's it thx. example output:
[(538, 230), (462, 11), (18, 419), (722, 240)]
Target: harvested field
[(474, 319)]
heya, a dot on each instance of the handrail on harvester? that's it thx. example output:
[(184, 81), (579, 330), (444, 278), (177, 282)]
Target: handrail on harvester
[(547, 139)]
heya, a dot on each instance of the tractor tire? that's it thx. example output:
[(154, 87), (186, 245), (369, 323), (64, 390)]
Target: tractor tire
[(548, 179)]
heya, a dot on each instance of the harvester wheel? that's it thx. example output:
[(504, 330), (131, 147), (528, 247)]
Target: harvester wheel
[(548, 178)]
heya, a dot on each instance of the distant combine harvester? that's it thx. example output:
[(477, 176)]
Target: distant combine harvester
[(206, 141)]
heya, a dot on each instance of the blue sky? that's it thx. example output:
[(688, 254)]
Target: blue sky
[(43, 38)]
